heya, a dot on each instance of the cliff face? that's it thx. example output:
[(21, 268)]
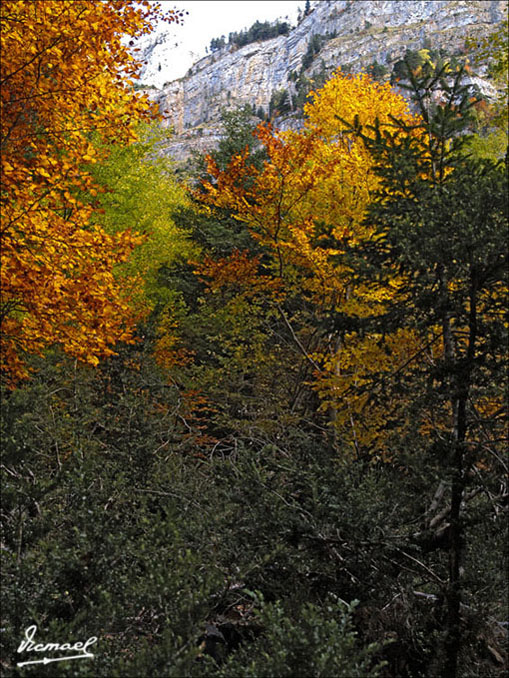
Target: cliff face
[(356, 34)]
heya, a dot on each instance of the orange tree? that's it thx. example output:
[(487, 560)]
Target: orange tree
[(306, 207), (65, 85)]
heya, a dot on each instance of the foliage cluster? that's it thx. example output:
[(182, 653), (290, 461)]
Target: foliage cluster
[(234, 563), (316, 42), (238, 137), (294, 99), (377, 71), (259, 31), (416, 59), (64, 72), (280, 103)]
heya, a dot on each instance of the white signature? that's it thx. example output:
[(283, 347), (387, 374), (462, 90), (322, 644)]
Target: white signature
[(29, 645)]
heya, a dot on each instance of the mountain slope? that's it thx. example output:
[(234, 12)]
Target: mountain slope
[(346, 33)]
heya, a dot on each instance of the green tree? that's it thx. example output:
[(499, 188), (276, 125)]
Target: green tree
[(280, 103), (377, 71), (449, 244), (238, 136), (139, 192), (238, 127)]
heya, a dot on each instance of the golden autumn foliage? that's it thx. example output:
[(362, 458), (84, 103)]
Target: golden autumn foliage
[(65, 81), (307, 207), (315, 187)]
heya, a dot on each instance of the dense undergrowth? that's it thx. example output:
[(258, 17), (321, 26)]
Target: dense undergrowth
[(298, 562)]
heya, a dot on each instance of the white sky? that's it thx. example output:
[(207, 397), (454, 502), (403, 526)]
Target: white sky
[(208, 19)]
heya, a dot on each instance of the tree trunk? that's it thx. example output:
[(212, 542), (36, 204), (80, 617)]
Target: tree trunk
[(460, 389)]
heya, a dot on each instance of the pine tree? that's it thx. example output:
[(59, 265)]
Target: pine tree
[(440, 219)]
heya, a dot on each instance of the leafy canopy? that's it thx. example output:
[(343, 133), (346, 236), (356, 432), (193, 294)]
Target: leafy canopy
[(306, 209), (64, 85)]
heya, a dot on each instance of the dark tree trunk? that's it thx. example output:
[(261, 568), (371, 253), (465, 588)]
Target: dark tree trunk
[(461, 388)]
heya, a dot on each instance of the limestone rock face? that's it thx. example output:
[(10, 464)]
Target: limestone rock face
[(356, 34)]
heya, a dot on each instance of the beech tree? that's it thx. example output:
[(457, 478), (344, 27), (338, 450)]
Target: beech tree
[(305, 208), (65, 83), (139, 191)]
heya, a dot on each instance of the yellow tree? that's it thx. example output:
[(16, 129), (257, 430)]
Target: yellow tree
[(307, 207), (66, 83)]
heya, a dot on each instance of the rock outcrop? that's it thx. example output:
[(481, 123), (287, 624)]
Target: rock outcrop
[(354, 35)]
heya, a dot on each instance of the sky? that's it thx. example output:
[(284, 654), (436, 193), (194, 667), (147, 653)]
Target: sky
[(208, 19)]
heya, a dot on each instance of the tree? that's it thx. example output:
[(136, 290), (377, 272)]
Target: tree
[(220, 232), (139, 192), (280, 103), (449, 246), (217, 43), (305, 207), (494, 49), (238, 136), (315, 44), (377, 71), (65, 87)]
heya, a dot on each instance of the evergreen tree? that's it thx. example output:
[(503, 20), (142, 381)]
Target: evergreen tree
[(440, 221)]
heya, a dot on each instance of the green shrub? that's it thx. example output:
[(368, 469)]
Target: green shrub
[(316, 642)]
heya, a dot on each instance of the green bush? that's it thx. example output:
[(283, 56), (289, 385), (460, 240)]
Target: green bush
[(317, 642)]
